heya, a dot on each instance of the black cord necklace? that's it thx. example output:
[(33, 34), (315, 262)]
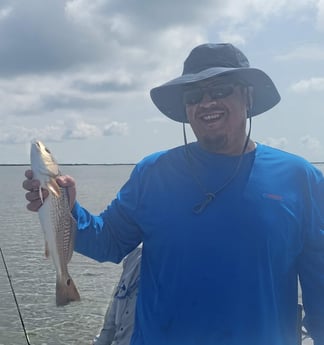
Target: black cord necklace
[(210, 196)]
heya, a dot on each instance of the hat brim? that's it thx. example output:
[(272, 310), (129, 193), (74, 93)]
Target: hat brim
[(169, 96)]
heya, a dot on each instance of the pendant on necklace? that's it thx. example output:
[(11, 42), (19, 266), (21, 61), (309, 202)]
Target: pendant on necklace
[(199, 208)]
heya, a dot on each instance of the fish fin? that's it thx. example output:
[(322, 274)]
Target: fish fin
[(53, 187), (66, 291), (41, 195), (47, 252)]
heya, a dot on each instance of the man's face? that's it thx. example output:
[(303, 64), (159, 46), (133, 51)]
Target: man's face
[(218, 119)]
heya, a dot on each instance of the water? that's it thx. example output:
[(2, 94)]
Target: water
[(33, 276)]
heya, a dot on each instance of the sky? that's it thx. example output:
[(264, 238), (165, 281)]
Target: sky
[(77, 74)]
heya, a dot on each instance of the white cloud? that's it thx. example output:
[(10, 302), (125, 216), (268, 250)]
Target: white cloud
[(79, 129), (320, 14), (233, 37), (310, 142), (243, 19), (20, 134), (306, 85), (280, 143), (115, 128), (5, 12), (73, 128), (308, 51), (79, 32)]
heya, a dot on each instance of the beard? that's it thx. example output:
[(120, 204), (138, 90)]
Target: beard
[(214, 144)]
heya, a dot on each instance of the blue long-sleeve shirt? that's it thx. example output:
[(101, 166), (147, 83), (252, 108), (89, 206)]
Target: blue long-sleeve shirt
[(227, 275)]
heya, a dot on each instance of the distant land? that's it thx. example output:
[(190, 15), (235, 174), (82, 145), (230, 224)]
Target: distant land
[(97, 164), (69, 164)]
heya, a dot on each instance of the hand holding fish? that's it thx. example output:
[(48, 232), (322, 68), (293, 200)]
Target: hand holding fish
[(33, 196)]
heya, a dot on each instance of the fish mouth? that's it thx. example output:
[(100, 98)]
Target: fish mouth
[(34, 141), (36, 145)]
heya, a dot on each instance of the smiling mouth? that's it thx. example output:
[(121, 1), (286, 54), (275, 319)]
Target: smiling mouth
[(213, 117)]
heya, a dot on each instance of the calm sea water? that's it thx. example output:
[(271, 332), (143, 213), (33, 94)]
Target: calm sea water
[(33, 276)]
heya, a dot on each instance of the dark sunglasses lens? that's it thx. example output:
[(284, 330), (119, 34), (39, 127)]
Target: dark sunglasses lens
[(192, 96), (195, 95), (216, 92)]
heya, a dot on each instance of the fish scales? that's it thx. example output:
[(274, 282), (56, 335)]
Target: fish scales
[(64, 225)]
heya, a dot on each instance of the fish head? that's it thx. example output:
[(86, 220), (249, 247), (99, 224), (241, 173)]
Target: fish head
[(42, 161)]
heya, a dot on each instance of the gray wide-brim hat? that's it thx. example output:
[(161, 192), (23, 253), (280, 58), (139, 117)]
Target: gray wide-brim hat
[(215, 60)]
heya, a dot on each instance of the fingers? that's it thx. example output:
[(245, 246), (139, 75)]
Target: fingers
[(34, 205), (33, 195), (29, 174), (31, 185), (65, 181), (34, 199)]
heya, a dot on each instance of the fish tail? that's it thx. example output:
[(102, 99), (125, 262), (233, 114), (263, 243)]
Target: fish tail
[(66, 291)]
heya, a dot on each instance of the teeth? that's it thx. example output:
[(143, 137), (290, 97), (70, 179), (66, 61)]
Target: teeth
[(212, 116)]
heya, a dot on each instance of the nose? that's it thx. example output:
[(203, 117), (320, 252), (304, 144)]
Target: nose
[(207, 99)]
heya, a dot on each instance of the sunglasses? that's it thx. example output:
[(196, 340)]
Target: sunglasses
[(195, 95)]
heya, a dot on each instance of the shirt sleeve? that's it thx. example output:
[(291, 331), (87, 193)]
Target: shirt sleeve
[(311, 265), (108, 331), (114, 233)]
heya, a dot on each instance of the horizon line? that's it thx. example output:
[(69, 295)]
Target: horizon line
[(66, 164), (94, 164)]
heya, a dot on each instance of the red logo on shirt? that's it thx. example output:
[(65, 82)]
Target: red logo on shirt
[(273, 196)]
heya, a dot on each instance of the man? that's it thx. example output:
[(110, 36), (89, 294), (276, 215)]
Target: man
[(119, 319), (227, 225)]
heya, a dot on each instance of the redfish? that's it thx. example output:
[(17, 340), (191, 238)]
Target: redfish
[(56, 220)]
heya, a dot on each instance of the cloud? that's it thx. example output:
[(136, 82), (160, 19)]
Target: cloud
[(115, 128), (241, 20), (91, 57), (309, 52), (66, 100), (307, 85), (47, 37), (310, 142), (320, 15), (73, 128), (122, 18), (5, 12), (79, 129), (116, 81), (233, 37), (280, 143), (16, 134), (37, 37)]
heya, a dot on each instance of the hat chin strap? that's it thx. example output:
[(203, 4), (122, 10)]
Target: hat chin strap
[(210, 196)]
